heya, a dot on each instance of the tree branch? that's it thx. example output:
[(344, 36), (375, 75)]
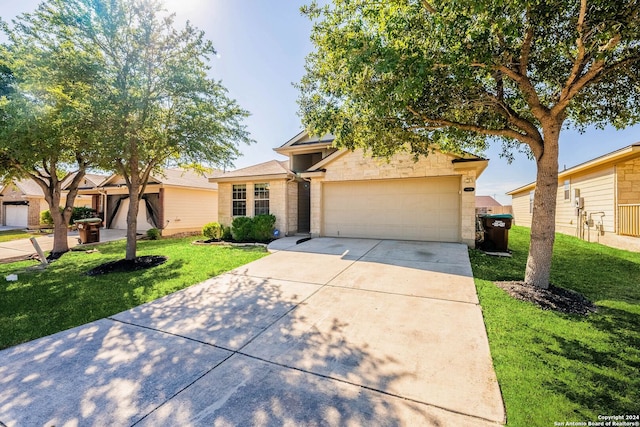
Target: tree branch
[(526, 49), (506, 132), (579, 62)]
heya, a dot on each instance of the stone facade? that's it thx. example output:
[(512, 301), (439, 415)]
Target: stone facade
[(628, 176), (278, 202), (357, 166)]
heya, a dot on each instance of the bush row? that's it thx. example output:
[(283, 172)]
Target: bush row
[(78, 213), (243, 229)]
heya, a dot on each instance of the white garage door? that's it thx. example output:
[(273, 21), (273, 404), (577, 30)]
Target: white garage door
[(16, 215), (406, 209), (120, 220)]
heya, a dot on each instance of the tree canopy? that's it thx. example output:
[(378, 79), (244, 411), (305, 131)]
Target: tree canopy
[(46, 131), (145, 83), (456, 74)]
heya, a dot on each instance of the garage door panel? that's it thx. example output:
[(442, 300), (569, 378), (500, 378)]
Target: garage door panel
[(16, 215), (411, 209)]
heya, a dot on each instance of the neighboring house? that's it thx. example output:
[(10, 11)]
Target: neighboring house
[(22, 202), (598, 200), (326, 191), (489, 205), (175, 201)]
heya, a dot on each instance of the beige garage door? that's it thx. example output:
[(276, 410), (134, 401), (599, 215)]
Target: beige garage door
[(16, 215), (407, 209)]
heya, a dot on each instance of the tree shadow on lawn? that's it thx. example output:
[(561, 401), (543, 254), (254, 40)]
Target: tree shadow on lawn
[(176, 360), (596, 357), (605, 373), (63, 296)]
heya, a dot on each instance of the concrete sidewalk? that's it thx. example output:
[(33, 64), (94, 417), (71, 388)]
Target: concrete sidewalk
[(23, 248), (327, 332)]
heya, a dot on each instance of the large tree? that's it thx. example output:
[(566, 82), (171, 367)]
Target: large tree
[(45, 117), (159, 106), (456, 74)]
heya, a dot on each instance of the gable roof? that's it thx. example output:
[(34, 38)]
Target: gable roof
[(27, 187), (273, 169), (170, 177), (304, 141), (486, 202), (621, 155)]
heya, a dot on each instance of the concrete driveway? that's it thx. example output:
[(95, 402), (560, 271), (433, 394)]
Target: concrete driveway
[(328, 332)]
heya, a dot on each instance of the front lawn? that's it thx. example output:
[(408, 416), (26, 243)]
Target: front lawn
[(558, 368), (8, 235), (41, 303)]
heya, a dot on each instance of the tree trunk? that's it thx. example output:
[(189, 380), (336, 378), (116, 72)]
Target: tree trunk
[(60, 228), (543, 224), (132, 218)]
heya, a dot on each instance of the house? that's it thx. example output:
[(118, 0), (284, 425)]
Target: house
[(175, 201), (598, 200), (325, 191), (487, 205), (22, 202)]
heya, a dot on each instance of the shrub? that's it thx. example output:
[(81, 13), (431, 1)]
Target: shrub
[(78, 213), (46, 218), (241, 228), (153, 234), (263, 226), (212, 230), (226, 233)]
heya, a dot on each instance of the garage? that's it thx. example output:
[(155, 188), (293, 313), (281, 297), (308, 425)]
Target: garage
[(16, 215), (405, 209), (120, 219)]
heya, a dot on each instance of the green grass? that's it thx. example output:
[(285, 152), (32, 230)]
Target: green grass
[(62, 296), (554, 367), (8, 235)]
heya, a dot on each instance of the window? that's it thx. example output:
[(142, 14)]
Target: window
[(239, 200), (531, 196), (567, 190), (261, 199)]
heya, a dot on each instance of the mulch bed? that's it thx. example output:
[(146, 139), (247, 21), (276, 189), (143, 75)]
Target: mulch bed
[(124, 265), (554, 298)]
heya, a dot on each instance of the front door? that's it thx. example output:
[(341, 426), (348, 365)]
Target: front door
[(304, 207)]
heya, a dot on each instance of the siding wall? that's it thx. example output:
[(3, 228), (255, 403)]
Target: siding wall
[(520, 204), (357, 166), (278, 203), (188, 210), (597, 189)]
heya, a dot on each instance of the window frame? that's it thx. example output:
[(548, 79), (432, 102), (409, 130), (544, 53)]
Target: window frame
[(567, 190), (261, 196), (238, 200)]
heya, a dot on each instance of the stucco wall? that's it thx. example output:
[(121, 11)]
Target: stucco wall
[(188, 210), (278, 204), (359, 166)]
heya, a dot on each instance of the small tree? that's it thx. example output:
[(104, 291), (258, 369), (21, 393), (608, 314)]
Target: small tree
[(46, 131), (158, 104), (450, 75)]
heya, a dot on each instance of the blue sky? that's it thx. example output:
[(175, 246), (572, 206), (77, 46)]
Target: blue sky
[(261, 46)]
